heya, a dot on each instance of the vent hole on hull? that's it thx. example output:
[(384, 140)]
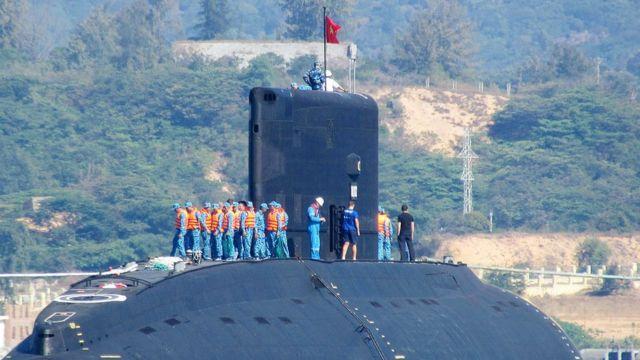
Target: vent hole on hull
[(395, 305), (411, 302), (261, 320), (285, 320), (496, 308), (297, 301), (227, 320), (376, 304), (172, 322), (147, 330)]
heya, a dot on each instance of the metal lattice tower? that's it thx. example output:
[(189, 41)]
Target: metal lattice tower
[(467, 155)]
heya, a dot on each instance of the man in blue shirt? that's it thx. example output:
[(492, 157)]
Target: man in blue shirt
[(350, 230)]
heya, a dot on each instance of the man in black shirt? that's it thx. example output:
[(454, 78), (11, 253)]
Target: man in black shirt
[(405, 234)]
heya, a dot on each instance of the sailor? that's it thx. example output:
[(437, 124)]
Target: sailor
[(385, 231), (314, 77), (260, 248), (282, 244), (333, 85), (226, 228), (247, 224), (350, 230), (205, 231), (237, 234), (313, 215), (406, 229), (181, 229), (216, 234), (271, 229), (192, 236)]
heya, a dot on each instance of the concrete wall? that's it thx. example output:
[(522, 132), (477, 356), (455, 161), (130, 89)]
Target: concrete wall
[(563, 283), (187, 51)]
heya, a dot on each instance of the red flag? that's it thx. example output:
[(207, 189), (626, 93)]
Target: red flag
[(332, 31)]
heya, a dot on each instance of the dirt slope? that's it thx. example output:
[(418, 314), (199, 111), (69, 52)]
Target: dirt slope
[(538, 250), (436, 118), (613, 316)]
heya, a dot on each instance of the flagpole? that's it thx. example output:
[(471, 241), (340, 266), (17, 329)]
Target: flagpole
[(324, 19)]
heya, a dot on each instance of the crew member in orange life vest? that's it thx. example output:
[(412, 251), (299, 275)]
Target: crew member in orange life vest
[(271, 230), (192, 236), (385, 231), (237, 234), (178, 237), (205, 230), (226, 228), (247, 226)]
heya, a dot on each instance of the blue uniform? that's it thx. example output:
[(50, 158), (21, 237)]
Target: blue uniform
[(315, 78), (228, 249), (313, 214), (192, 237), (247, 235), (206, 233), (281, 247), (260, 249), (178, 237), (384, 241), (349, 231), (217, 236)]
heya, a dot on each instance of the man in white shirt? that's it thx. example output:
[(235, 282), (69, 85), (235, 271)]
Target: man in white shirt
[(331, 84)]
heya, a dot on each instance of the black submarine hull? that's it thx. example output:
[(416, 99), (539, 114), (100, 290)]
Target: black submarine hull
[(296, 309)]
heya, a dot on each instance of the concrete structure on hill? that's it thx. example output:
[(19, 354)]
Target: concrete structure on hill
[(21, 307), (245, 51)]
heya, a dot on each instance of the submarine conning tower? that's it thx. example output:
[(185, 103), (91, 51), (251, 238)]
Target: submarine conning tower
[(304, 144)]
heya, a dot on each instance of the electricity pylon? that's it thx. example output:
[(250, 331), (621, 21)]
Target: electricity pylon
[(467, 155)]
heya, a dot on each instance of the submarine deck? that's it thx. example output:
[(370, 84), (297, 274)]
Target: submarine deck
[(296, 309)]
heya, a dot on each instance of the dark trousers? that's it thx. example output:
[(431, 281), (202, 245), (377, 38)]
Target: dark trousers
[(405, 242)]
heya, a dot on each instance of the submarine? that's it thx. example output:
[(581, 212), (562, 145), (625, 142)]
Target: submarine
[(302, 144)]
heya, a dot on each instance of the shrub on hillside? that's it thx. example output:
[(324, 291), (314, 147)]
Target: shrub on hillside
[(594, 252), (581, 337)]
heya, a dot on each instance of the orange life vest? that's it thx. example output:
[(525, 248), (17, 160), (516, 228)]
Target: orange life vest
[(225, 221), (250, 221), (207, 219), (382, 225), (192, 219), (283, 219), (236, 220), (272, 221), (178, 218), (213, 220)]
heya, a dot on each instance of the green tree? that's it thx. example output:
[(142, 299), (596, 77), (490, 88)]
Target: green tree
[(11, 15), (437, 37), (214, 19), (94, 42), (633, 64), (594, 252), (567, 61), (304, 17), (139, 28)]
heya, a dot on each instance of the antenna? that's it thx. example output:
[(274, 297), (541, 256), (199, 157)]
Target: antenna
[(467, 155), (598, 63)]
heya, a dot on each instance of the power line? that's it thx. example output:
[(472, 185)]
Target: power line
[(467, 155)]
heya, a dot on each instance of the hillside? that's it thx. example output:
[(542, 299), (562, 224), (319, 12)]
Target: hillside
[(539, 250), (434, 118)]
